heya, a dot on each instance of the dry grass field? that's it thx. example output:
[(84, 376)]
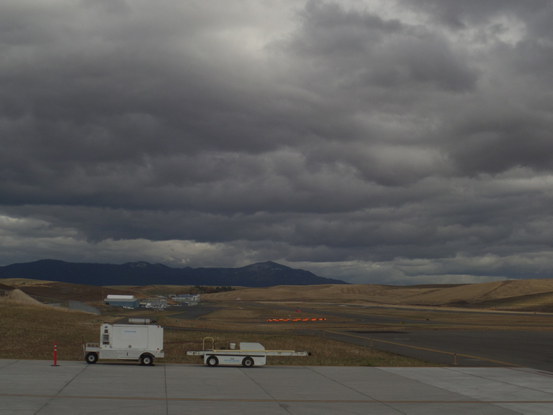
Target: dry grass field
[(515, 295), (30, 331), (29, 328)]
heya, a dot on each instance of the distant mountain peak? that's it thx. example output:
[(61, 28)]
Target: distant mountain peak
[(266, 266)]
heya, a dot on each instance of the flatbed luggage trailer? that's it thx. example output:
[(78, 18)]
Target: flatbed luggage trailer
[(247, 354), (142, 342)]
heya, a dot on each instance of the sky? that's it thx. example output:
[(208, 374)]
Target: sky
[(391, 141)]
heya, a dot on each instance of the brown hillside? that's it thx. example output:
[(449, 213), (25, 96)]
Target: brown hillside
[(53, 292), (19, 297), (482, 293), (485, 294)]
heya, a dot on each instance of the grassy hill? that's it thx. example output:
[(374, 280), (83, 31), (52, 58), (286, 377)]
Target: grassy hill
[(531, 295)]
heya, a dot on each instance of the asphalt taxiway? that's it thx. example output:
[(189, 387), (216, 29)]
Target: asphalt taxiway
[(36, 387)]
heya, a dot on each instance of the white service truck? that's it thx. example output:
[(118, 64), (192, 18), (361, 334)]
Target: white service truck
[(133, 341), (247, 354)]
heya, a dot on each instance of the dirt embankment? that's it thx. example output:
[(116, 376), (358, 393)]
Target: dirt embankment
[(19, 297)]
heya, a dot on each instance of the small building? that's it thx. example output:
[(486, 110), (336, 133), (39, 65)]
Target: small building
[(126, 301), (157, 303), (186, 299)]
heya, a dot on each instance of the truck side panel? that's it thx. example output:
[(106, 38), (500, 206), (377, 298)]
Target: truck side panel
[(129, 341), (128, 336), (120, 354)]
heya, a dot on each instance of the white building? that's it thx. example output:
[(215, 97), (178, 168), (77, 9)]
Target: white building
[(122, 301)]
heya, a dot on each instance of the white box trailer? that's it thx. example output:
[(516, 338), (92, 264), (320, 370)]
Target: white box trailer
[(142, 342), (247, 354)]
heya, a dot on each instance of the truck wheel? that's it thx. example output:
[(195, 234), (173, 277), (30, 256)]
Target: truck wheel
[(212, 361), (146, 360), (91, 358), (247, 362)]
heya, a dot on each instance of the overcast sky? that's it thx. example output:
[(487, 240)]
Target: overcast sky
[(397, 142)]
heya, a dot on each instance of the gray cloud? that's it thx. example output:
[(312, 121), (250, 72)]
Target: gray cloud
[(359, 50), (401, 142)]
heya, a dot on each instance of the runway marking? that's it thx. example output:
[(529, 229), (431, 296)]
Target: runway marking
[(427, 349), (232, 400)]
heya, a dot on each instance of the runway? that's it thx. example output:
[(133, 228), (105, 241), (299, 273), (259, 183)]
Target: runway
[(461, 347), (36, 387)]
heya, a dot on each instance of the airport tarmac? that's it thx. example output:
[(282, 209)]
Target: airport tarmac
[(36, 387)]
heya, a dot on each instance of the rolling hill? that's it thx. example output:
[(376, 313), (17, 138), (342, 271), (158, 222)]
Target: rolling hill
[(530, 295)]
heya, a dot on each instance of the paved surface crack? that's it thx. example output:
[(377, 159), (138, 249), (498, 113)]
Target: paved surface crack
[(282, 405), (61, 390), (356, 391)]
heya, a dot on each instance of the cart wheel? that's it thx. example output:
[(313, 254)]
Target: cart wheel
[(91, 358), (146, 360), (212, 361), (247, 362)]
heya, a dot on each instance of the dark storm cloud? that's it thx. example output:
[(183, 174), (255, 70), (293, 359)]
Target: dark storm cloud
[(361, 50), (461, 16), (390, 141)]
